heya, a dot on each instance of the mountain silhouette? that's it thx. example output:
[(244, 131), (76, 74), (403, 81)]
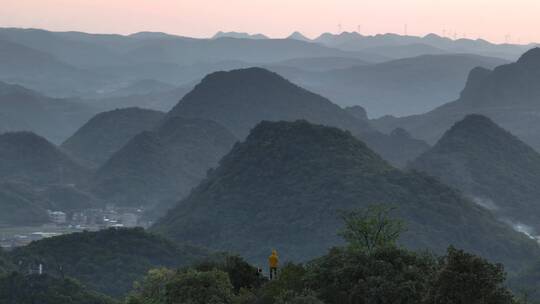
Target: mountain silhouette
[(240, 99), (508, 95), (156, 168), (26, 110), (103, 135), (27, 157), (431, 80)]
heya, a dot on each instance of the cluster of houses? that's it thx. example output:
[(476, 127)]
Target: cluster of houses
[(68, 222)]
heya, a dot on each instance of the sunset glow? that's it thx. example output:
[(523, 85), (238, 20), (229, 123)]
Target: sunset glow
[(515, 21)]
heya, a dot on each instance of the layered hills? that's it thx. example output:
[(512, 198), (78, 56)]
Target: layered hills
[(284, 186), (508, 95), (240, 99), (164, 164), (103, 135)]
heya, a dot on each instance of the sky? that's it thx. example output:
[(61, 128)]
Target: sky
[(515, 21)]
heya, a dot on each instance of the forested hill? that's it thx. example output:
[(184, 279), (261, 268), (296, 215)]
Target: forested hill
[(29, 158), (16, 288), (490, 164), (109, 261), (284, 185)]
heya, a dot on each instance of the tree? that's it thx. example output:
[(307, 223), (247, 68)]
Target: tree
[(152, 289), (386, 275), (464, 278), (198, 287), (189, 286), (241, 273), (371, 228), (16, 288)]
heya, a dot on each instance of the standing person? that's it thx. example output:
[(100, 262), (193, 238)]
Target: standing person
[(273, 262)]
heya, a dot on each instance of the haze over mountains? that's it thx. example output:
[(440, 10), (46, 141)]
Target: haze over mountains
[(243, 143), (103, 135), (241, 99), (507, 94), (398, 87), (24, 109), (98, 66), (157, 168)]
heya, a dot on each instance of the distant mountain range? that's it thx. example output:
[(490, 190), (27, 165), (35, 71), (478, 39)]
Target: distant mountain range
[(399, 87), (432, 43), (508, 95), (284, 185), (496, 169), (22, 109), (238, 35)]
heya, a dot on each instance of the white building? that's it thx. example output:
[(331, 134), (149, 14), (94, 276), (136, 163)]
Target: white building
[(57, 217)]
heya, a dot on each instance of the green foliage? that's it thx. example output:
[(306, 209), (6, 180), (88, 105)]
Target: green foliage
[(463, 278), (387, 275), (5, 263), (153, 288), (186, 286), (241, 274), (109, 260), (371, 228), (290, 297), (16, 288), (200, 287), (289, 284)]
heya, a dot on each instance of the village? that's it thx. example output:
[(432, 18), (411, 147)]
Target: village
[(62, 222)]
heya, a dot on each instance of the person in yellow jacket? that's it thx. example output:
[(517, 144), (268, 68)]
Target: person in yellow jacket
[(273, 262)]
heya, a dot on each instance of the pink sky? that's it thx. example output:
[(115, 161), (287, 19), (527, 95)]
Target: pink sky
[(489, 19)]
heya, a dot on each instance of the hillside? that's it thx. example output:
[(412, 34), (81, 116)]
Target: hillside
[(108, 261), (29, 158), (508, 95), (103, 135), (44, 289), (240, 99), (491, 165), (398, 87), (5, 264), (163, 164), (284, 185), (21, 205), (27, 110)]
